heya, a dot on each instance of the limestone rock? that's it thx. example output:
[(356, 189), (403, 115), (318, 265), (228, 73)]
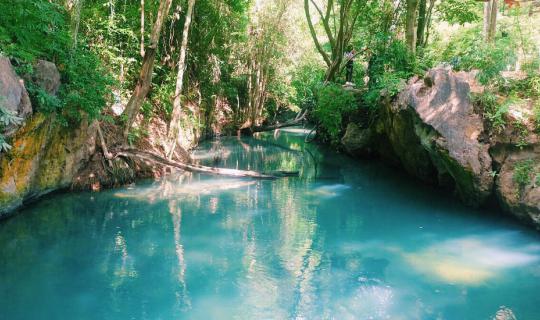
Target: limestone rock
[(436, 134), (522, 201), (45, 157), (450, 131), (13, 94), (46, 76), (357, 140)]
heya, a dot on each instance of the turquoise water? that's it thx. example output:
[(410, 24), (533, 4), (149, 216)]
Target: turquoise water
[(345, 240)]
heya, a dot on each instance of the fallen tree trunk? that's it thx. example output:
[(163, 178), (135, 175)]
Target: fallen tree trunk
[(291, 123), (152, 157)]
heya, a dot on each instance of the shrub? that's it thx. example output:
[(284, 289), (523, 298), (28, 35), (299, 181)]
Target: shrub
[(537, 114), (523, 171), (332, 103), (468, 51), (39, 29), (7, 118), (390, 66), (494, 112)]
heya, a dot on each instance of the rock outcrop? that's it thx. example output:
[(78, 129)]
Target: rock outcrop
[(13, 94), (434, 131), (46, 76), (45, 157)]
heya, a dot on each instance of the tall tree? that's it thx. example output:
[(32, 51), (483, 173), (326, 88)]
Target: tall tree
[(422, 22), (490, 19), (145, 77), (338, 28), (411, 23), (174, 125)]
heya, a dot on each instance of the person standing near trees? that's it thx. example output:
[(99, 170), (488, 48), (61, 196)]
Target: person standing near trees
[(349, 60)]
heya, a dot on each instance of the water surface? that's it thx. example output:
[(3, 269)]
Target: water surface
[(344, 240)]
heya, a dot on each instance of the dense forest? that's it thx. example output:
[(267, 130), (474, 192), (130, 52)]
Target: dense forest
[(269, 159), (212, 67)]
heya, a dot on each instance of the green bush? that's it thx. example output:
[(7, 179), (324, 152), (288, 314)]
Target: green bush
[(468, 50), (537, 115), (390, 66), (493, 111), (39, 29), (333, 102), (523, 172), (7, 118)]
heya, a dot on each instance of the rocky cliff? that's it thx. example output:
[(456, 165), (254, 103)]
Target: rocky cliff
[(44, 156), (436, 133)]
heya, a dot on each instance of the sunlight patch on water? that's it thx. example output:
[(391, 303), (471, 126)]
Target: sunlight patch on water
[(470, 260), (296, 130), (328, 191), (168, 190)]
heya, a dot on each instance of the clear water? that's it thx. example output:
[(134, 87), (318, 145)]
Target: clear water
[(345, 240)]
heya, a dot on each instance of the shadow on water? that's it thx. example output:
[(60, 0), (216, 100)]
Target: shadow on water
[(344, 240)]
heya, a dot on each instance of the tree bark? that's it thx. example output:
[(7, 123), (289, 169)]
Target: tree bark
[(490, 20), (422, 22), (142, 28), (145, 77), (338, 38), (174, 125), (152, 157), (410, 24), (493, 21)]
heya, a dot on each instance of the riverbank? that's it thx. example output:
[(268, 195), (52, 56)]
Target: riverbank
[(438, 130)]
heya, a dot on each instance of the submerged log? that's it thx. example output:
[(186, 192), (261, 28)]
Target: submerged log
[(152, 157)]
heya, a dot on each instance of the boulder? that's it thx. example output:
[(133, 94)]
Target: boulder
[(435, 133), (433, 130), (521, 199), (450, 130), (46, 76), (357, 140), (13, 94)]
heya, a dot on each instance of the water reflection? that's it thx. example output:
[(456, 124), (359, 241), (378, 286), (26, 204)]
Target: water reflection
[(344, 240)]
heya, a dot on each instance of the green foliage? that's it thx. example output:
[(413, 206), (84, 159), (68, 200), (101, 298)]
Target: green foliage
[(7, 118), (31, 30), (523, 132), (390, 66), (307, 80), (523, 172), (493, 111), (468, 51), (332, 104), (459, 11), (537, 115)]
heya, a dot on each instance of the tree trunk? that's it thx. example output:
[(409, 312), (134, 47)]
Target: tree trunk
[(142, 28), (490, 20), (174, 125), (410, 24), (152, 157), (429, 15), (147, 68), (422, 22), (493, 21)]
